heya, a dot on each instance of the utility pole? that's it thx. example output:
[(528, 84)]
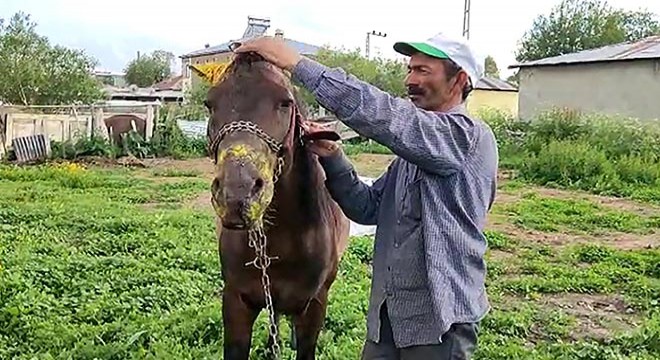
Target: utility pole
[(368, 44), (466, 19)]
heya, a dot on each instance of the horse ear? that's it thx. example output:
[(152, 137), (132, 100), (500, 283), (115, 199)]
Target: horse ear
[(328, 133)]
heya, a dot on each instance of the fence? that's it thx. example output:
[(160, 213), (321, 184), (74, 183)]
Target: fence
[(69, 122)]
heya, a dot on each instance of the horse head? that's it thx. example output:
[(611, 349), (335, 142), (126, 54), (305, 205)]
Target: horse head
[(253, 130)]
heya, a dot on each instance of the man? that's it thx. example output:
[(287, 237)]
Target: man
[(428, 294)]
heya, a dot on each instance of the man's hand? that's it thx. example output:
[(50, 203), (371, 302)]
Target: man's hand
[(322, 148), (274, 50)]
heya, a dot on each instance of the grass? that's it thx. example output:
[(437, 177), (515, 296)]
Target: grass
[(576, 216), (115, 263), (87, 271)]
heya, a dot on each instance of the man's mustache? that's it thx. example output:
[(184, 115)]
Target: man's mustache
[(415, 90)]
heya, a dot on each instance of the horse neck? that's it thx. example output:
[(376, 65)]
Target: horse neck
[(299, 195)]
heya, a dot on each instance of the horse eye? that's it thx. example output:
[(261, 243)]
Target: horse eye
[(286, 103)]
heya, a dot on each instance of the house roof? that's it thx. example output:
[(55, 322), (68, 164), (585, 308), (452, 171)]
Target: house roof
[(256, 27), (647, 48), (490, 83), (173, 83), (301, 47), (136, 92)]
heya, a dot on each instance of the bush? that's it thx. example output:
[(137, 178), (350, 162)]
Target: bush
[(605, 155)]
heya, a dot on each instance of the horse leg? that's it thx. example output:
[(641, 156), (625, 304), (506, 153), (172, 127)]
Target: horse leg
[(308, 326), (238, 319)]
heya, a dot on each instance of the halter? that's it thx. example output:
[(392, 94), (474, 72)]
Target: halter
[(272, 143)]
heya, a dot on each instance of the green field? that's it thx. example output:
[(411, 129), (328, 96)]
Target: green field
[(110, 262), (115, 263)]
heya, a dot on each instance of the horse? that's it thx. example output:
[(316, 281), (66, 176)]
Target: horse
[(121, 124), (280, 234)]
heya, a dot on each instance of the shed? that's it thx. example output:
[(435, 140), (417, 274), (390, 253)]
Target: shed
[(621, 79), (493, 93)]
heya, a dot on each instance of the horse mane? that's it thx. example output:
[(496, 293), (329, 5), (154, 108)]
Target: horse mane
[(312, 199)]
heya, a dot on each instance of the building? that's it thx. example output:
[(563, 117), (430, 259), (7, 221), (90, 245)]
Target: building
[(621, 79), (150, 94), (221, 53), (495, 94), (110, 78)]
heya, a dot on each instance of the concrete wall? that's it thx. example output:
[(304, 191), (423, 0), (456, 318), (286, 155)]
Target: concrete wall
[(506, 101), (66, 122), (624, 88)]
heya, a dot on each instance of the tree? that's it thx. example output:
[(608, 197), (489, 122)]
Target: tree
[(388, 75), (34, 72), (576, 25), (149, 69), (514, 78), (491, 69)]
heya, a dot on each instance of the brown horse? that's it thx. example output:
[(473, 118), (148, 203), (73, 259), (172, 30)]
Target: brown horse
[(267, 183), (118, 125)]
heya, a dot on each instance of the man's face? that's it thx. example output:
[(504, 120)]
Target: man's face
[(428, 85)]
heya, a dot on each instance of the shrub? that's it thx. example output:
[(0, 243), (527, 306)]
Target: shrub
[(602, 154)]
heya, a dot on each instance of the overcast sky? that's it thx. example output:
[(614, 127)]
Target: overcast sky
[(119, 28)]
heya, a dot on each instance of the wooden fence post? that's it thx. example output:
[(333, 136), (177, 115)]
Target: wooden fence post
[(99, 123), (3, 132), (9, 134), (149, 125)]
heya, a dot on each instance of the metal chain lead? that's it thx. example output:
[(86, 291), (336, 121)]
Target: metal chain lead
[(258, 241)]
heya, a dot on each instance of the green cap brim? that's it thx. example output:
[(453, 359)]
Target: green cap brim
[(409, 48)]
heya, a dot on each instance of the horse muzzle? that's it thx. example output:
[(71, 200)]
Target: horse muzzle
[(237, 215)]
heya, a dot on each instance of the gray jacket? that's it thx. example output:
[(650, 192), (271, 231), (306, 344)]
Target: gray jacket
[(430, 206)]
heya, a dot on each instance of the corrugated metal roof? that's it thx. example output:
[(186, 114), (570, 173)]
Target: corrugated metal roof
[(256, 27), (173, 83), (133, 92), (301, 47), (489, 83), (647, 48)]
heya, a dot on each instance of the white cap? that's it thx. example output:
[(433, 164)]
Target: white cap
[(445, 47)]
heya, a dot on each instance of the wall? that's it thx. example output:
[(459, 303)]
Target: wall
[(616, 88), (62, 123), (506, 101)]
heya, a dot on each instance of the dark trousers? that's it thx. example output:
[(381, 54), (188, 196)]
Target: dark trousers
[(459, 343)]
